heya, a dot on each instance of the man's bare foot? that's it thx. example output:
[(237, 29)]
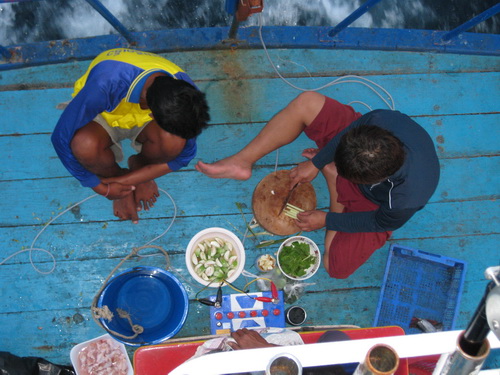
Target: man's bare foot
[(145, 195), (226, 168), (125, 209)]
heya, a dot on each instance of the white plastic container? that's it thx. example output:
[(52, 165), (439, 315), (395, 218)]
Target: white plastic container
[(77, 349)]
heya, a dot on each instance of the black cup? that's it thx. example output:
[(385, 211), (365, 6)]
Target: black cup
[(295, 315)]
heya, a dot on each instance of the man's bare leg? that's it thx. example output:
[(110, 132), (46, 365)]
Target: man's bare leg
[(145, 194), (281, 130), (158, 146), (330, 174), (91, 145)]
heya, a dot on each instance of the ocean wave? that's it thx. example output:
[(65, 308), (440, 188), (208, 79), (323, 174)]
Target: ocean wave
[(27, 22)]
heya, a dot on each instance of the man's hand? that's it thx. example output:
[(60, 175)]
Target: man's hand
[(303, 172), (311, 220), (248, 339), (113, 190), (118, 191)]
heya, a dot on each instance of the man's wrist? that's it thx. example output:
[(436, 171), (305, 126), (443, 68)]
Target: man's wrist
[(102, 189)]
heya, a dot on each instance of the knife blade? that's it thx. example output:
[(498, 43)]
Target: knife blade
[(288, 198)]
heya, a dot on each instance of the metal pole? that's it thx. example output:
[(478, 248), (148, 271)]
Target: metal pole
[(353, 17), (380, 360), (284, 364), (234, 28), (472, 22), (97, 5), (461, 362), (472, 345)]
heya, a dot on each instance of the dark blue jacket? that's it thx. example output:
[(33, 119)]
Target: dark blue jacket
[(402, 194)]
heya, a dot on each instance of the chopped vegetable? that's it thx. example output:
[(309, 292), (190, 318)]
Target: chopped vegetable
[(214, 259), (266, 262), (292, 211), (296, 259)]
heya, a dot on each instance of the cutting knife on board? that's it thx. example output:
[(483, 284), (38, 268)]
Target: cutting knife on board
[(288, 198)]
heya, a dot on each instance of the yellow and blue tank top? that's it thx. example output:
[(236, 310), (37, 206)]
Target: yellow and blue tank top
[(111, 86)]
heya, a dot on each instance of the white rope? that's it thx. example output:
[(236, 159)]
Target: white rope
[(31, 249), (345, 79)]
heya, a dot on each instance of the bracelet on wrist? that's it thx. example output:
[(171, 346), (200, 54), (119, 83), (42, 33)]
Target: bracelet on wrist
[(107, 192)]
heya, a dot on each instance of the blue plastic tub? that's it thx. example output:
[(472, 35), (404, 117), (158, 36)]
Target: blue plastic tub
[(154, 298), (421, 285)]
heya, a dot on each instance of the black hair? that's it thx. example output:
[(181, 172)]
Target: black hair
[(368, 154), (178, 107)]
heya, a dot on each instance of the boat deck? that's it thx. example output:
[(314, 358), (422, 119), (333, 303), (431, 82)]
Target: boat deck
[(454, 97)]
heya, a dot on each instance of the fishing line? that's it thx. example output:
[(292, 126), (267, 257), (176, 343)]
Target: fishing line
[(31, 249), (344, 79)]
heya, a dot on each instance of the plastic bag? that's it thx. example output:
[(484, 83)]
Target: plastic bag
[(294, 290), (13, 365), (274, 275)]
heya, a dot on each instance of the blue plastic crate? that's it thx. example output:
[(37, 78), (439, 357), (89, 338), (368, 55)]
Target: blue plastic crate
[(422, 285)]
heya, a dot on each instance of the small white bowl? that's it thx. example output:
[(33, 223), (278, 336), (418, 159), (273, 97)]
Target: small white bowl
[(78, 348), (314, 250), (224, 234), (267, 260)]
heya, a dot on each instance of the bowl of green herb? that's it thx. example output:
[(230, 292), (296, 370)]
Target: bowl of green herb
[(298, 258)]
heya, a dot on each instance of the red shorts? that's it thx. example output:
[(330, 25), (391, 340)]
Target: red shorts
[(348, 251)]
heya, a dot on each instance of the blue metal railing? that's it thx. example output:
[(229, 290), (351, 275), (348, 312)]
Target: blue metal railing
[(353, 17), (113, 21), (472, 22)]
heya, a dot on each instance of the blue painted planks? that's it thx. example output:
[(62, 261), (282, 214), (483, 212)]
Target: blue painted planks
[(258, 100), (484, 132), (459, 110), (51, 196), (236, 64)]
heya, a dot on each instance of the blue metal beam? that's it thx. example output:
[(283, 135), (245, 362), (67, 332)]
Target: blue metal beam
[(353, 16), (176, 40), (472, 22), (97, 5)]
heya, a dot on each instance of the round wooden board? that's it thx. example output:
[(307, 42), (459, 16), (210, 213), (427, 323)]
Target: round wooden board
[(268, 199)]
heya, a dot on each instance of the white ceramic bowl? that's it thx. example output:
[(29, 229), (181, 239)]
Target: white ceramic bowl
[(225, 235), (314, 250), (78, 348)]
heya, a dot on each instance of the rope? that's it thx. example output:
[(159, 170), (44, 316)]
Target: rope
[(104, 312), (345, 79), (53, 259)]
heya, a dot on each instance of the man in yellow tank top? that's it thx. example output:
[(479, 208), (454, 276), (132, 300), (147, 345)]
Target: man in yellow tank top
[(130, 94)]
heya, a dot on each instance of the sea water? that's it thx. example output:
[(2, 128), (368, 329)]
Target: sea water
[(32, 21)]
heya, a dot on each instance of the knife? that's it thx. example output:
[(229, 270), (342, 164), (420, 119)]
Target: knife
[(288, 198)]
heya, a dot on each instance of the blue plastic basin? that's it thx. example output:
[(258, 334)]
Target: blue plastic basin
[(153, 298)]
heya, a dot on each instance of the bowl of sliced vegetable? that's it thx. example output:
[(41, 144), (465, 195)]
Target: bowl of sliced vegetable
[(298, 258), (215, 255)]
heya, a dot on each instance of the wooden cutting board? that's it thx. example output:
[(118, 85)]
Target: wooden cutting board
[(268, 199)]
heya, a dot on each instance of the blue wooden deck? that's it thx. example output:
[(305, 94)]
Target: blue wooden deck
[(454, 97)]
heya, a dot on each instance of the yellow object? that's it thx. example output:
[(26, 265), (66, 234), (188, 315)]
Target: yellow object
[(127, 114)]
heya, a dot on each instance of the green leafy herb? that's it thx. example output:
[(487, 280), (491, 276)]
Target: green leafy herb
[(296, 259)]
